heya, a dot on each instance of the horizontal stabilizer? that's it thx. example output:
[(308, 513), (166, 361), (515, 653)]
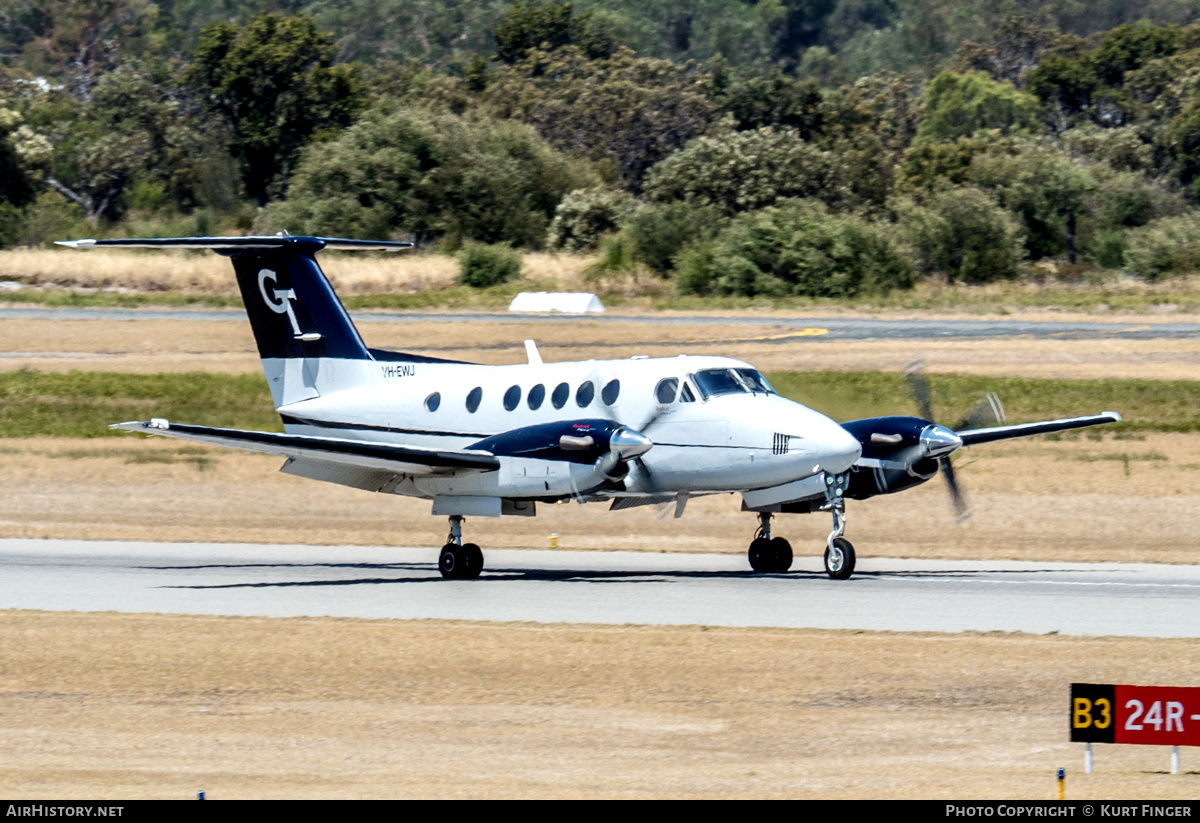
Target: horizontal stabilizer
[(380, 456), (974, 437), (228, 244)]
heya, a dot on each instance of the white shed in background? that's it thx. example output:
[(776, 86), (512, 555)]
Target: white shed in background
[(556, 301)]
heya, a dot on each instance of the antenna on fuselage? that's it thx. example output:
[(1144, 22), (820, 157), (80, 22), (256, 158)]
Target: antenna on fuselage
[(531, 351)]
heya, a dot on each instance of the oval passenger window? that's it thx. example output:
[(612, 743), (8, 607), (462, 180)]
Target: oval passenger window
[(512, 397), (473, 398), (584, 394), (611, 391), (665, 391), (433, 401), (536, 396), (559, 398)]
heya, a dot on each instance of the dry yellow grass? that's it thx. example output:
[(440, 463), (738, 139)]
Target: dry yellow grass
[(208, 274), (1130, 500), (131, 706), (228, 346)]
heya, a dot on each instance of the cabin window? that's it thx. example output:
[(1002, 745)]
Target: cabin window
[(433, 401), (473, 399), (665, 391), (537, 396), (610, 392), (560, 395), (584, 394), (512, 397), (686, 395)]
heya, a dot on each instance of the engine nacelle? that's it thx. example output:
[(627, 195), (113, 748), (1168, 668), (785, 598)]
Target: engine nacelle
[(574, 441), (895, 455)]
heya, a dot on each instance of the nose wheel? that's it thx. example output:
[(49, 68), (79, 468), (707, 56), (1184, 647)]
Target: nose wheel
[(839, 552), (769, 555), (458, 560)]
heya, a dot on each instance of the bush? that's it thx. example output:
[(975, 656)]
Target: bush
[(659, 233), (1166, 247), (586, 215), (748, 170), (433, 176), (481, 266), (796, 248), (962, 234)]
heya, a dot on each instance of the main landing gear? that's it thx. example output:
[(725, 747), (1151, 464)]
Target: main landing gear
[(773, 555), (458, 560), (769, 554)]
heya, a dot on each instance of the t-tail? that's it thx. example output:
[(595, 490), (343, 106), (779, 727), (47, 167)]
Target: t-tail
[(303, 333)]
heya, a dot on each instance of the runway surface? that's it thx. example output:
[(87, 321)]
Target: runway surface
[(826, 328), (1141, 600)]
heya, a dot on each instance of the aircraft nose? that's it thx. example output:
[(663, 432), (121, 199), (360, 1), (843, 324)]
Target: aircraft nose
[(840, 449)]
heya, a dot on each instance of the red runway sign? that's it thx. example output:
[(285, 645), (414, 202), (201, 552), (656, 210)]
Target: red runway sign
[(1151, 715)]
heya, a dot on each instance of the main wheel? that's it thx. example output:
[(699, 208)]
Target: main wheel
[(839, 560), (781, 551), (762, 555), (452, 561), (472, 561)]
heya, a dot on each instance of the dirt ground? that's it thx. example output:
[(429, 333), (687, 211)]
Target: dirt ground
[(1131, 499), (228, 346), (130, 706)]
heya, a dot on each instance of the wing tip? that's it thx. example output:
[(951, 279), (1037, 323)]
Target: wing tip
[(1115, 417), (77, 244), (141, 425)]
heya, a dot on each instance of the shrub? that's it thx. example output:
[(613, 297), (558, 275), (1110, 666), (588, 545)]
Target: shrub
[(432, 176), (747, 170), (586, 215), (481, 266), (659, 233), (962, 234), (1166, 247), (796, 248)]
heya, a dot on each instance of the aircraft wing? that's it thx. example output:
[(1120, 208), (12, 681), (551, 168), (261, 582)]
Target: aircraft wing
[(973, 437), (352, 454)]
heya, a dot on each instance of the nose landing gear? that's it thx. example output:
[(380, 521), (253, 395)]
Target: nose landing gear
[(839, 552), (769, 555), (458, 560)]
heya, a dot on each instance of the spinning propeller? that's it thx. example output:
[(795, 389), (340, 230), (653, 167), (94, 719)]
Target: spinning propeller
[(939, 442)]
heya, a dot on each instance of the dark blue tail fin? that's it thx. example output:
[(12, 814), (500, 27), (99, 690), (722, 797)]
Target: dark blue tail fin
[(291, 305)]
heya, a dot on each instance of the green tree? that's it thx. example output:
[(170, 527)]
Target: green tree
[(1044, 187), (796, 248), (628, 111), (585, 215), (530, 25), (274, 82), (428, 175), (748, 170), (959, 105), (962, 234)]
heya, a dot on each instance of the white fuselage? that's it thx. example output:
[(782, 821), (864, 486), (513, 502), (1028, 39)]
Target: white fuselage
[(731, 442)]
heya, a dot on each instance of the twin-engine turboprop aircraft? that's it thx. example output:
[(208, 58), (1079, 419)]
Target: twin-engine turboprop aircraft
[(488, 441)]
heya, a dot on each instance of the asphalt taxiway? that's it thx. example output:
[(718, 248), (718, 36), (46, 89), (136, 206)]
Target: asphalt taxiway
[(1139, 600), (827, 328)]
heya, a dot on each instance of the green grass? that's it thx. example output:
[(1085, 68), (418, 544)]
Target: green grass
[(83, 404), (1146, 405)]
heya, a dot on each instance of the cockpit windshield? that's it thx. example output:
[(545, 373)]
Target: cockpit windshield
[(755, 381), (714, 382)]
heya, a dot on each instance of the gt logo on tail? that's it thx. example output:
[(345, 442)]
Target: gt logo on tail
[(282, 303)]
